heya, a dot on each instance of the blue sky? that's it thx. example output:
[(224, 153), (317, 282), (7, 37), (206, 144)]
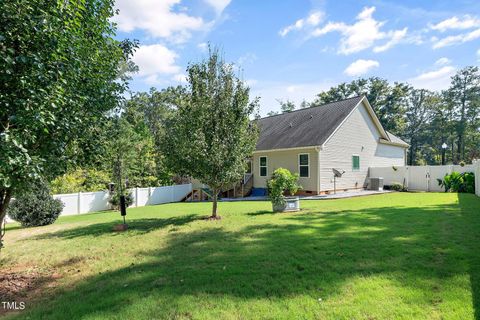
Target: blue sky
[(293, 49)]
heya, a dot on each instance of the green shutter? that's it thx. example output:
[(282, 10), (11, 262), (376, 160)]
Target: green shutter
[(356, 162)]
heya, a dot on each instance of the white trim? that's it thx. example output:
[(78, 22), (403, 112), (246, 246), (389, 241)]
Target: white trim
[(397, 144), (260, 166), (308, 165), (285, 149), (359, 165)]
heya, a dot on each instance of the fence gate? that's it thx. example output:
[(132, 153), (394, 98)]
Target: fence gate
[(418, 178)]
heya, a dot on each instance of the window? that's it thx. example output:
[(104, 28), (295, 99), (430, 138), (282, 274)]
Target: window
[(263, 166), (355, 163), (304, 165)]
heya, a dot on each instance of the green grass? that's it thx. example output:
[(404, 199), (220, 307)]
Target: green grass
[(393, 256)]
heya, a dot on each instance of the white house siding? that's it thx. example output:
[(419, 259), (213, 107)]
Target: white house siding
[(287, 159), (357, 135)]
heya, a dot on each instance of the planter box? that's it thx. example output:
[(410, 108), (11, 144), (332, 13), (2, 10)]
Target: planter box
[(291, 204)]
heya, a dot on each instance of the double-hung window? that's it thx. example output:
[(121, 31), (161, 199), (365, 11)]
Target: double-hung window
[(304, 165), (263, 166)]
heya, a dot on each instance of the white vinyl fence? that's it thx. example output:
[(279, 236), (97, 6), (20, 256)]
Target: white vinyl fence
[(85, 202), (421, 178)]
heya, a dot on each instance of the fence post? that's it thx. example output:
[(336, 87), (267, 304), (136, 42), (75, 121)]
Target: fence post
[(149, 195), (79, 210), (136, 196)]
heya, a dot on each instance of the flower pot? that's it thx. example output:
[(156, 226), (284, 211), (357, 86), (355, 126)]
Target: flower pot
[(291, 204)]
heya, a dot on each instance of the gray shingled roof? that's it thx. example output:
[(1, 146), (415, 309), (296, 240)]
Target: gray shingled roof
[(304, 127)]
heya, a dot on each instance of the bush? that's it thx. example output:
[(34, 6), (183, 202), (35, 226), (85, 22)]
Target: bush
[(398, 187), (282, 180), (80, 180), (35, 207), (114, 199), (458, 182)]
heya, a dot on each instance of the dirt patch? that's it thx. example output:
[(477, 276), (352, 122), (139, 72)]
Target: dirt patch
[(22, 284)]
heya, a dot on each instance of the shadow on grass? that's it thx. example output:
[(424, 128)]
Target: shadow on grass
[(311, 254), (260, 213), (136, 226)]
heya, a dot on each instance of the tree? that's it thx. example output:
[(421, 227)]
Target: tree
[(211, 135), (286, 105), (464, 96), (420, 111), (387, 100), (59, 70)]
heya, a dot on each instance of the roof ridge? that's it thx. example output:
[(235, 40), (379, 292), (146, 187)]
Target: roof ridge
[(325, 104)]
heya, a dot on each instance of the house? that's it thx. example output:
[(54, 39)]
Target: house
[(345, 135)]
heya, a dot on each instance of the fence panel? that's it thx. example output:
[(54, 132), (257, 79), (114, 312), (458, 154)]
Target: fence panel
[(390, 175), (438, 172), (142, 197), (76, 203), (93, 201), (70, 202), (421, 178)]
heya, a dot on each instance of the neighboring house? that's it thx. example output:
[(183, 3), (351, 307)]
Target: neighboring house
[(345, 135)]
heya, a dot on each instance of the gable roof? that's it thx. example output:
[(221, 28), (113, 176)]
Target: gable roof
[(310, 126)]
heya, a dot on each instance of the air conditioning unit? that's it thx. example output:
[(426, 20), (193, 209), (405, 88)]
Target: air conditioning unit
[(376, 184)]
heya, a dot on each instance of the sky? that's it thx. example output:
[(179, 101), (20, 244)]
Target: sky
[(294, 49)]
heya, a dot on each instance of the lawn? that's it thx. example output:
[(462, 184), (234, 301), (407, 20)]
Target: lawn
[(393, 256)]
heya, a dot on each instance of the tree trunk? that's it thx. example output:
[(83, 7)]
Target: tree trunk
[(5, 197), (214, 206)]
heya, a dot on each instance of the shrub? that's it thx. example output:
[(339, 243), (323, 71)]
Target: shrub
[(35, 207), (114, 199), (80, 180), (398, 187), (458, 182), (282, 180)]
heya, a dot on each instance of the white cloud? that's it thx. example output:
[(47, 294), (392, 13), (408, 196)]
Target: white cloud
[(218, 5), (438, 79), (271, 92), (247, 58), (361, 67), (154, 61), (157, 18), (202, 46), (312, 20), (456, 39), (443, 61), (455, 23), (362, 34), (395, 38), (180, 77)]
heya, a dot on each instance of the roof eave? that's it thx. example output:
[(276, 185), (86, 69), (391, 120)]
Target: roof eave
[(397, 144)]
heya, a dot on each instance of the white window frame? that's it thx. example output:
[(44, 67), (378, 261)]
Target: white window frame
[(359, 163), (308, 165), (260, 166)]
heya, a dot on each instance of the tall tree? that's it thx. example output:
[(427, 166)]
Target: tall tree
[(464, 95), (59, 70), (420, 111), (210, 137)]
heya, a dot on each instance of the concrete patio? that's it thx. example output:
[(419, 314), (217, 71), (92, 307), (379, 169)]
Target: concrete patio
[(338, 195)]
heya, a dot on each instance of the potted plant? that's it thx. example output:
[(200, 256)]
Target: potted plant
[(283, 181)]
